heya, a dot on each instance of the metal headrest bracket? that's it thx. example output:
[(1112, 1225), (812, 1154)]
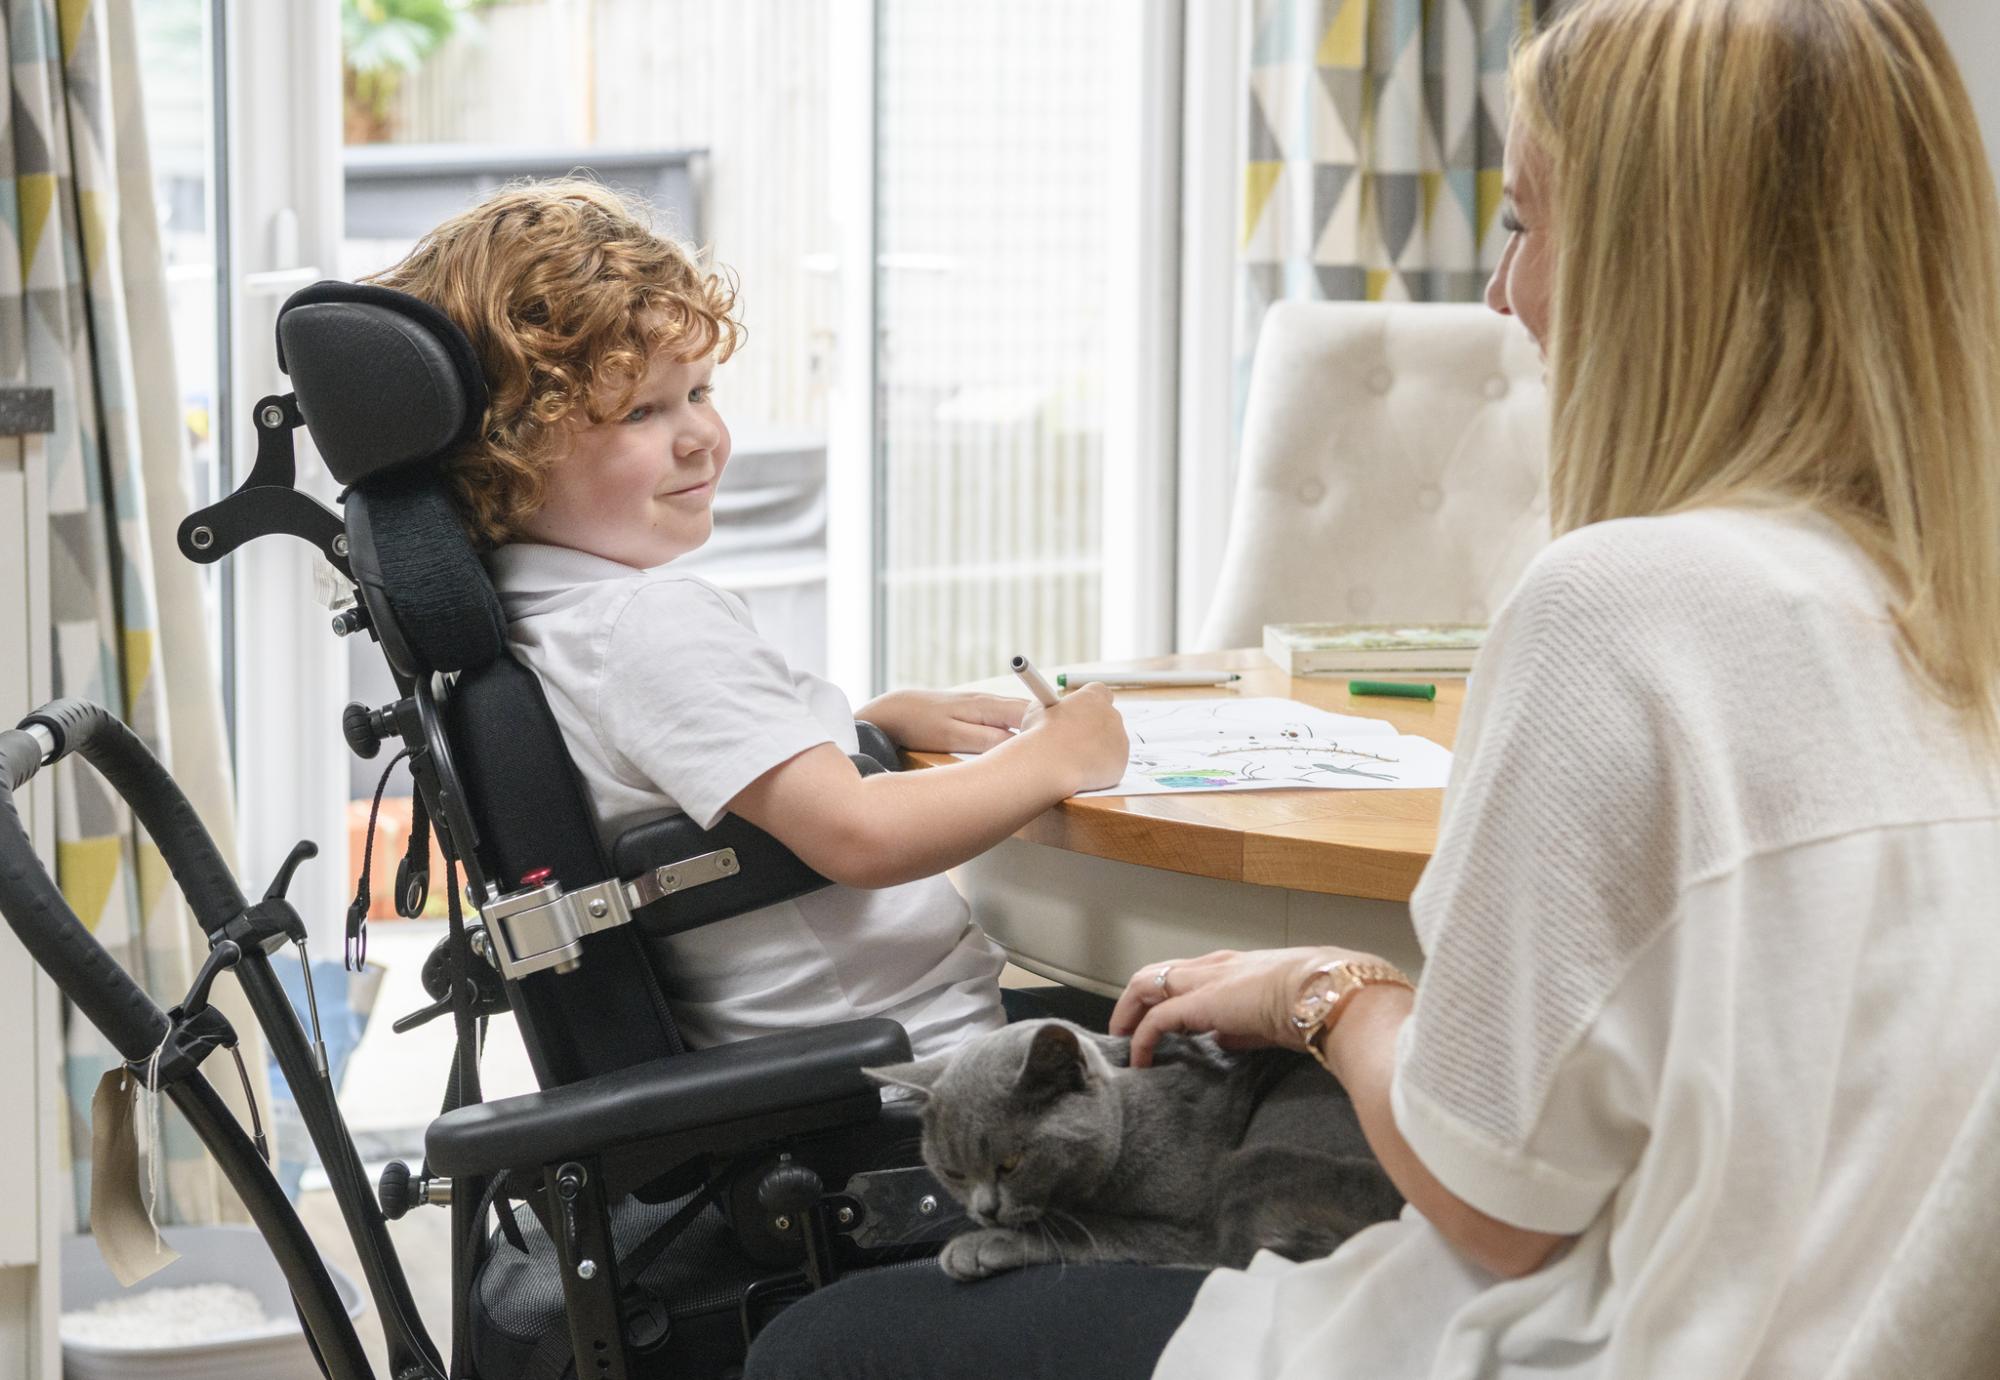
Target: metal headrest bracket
[(267, 501)]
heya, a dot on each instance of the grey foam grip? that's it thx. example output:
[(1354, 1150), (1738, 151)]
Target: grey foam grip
[(65, 950), (20, 759), (103, 740)]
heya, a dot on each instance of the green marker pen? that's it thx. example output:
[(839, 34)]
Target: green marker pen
[(1399, 689)]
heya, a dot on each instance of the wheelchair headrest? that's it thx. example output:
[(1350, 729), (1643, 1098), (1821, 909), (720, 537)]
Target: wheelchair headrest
[(387, 384), (382, 378)]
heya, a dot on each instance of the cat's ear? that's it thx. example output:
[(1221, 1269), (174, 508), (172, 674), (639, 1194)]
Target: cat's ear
[(919, 1077), (1054, 1064)]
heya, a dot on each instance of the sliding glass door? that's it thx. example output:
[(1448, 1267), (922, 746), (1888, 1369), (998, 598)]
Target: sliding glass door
[(1012, 236)]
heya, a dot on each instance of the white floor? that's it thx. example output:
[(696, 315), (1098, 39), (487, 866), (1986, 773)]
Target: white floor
[(395, 1083)]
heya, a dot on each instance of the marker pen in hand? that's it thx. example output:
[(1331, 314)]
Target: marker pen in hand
[(1032, 678)]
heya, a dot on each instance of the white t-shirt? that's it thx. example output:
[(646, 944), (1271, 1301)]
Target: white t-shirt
[(669, 700), (1712, 937)]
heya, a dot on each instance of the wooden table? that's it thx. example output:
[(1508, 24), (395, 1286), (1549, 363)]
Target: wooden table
[(1096, 888)]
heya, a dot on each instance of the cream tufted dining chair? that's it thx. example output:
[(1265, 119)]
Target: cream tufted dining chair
[(1393, 468)]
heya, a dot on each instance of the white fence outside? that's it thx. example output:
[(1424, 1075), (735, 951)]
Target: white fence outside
[(993, 150)]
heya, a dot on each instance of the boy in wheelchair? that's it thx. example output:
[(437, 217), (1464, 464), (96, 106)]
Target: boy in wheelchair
[(595, 469)]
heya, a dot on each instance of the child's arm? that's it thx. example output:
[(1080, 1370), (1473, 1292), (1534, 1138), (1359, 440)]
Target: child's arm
[(882, 830), (944, 720)]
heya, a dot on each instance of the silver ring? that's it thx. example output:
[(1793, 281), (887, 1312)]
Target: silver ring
[(1160, 978)]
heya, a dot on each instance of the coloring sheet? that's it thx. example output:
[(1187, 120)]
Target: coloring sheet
[(1180, 746), (1264, 744)]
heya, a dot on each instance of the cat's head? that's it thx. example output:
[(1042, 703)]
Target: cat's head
[(1017, 1120)]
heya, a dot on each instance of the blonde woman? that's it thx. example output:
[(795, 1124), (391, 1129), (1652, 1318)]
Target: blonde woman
[(1712, 931)]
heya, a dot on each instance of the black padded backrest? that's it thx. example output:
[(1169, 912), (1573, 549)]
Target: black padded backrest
[(428, 595), (382, 378), (524, 792), (520, 781)]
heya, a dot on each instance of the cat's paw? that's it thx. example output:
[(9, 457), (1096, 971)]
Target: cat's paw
[(990, 1251)]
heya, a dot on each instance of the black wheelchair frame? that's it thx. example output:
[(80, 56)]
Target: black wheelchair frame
[(783, 1132)]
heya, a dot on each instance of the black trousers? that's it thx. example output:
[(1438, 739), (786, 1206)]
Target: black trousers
[(1051, 1322)]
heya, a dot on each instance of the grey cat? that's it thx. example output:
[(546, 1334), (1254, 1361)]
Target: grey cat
[(1060, 1151)]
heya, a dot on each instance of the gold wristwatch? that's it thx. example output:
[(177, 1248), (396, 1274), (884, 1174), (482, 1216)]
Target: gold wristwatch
[(1323, 996)]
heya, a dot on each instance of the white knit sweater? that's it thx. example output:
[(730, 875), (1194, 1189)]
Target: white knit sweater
[(1712, 934)]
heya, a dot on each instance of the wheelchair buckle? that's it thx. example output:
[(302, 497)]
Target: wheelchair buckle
[(545, 927)]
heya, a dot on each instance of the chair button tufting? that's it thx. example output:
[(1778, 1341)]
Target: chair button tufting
[(1496, 387), (1380, 380), (1360, 599), (1430, 498), (1312, 491)]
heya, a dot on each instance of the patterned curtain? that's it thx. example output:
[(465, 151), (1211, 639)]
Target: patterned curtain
[(86, 316), (1373, 165)]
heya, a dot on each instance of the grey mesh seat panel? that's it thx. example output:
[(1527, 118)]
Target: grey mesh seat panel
[(518, 1301), (519, 1329)]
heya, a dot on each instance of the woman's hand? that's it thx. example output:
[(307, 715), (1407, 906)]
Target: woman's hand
[(944, 720), (1245, 998)]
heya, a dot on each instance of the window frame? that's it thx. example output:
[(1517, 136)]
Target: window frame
[(280, 220), (1214, 100)]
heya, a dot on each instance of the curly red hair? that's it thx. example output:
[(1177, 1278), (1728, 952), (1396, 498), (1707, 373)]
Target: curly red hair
[(567, 293)]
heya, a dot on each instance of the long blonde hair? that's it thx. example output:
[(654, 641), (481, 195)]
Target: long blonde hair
[(1778, 280)]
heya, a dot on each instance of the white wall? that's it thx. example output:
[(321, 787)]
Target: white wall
[(1973, 29)]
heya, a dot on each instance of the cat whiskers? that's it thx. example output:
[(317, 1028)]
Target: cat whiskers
[(1055, 1246), (1088, 1234)]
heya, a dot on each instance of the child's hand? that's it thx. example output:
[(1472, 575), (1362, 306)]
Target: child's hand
[(944, 720), (1089, 734)]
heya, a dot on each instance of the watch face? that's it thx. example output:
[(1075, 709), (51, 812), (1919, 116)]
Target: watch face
[(1320, 992)]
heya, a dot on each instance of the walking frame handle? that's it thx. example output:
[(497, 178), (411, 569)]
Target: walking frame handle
[(136, 1026)]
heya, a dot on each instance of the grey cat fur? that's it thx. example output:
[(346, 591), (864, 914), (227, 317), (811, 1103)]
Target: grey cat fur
[(1203, 1159)]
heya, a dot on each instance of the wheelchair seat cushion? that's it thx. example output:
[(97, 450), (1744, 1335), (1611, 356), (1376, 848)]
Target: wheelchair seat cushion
[(701, 1096)]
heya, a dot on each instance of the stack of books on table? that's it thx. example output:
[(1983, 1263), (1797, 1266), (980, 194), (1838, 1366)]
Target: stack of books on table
[(1374, 648)]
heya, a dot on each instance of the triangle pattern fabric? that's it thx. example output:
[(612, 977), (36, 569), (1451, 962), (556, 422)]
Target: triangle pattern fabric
[(1372, 152), (76, 200), (1345, 43), (1260, 180), (1338, 129), (1264, 145)]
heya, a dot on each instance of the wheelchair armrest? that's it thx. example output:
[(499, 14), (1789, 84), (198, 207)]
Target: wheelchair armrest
[(767, 872), (876, 744), (679, 1095)]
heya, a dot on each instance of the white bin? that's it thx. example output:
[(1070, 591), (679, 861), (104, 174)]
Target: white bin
[(209, 1255)]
